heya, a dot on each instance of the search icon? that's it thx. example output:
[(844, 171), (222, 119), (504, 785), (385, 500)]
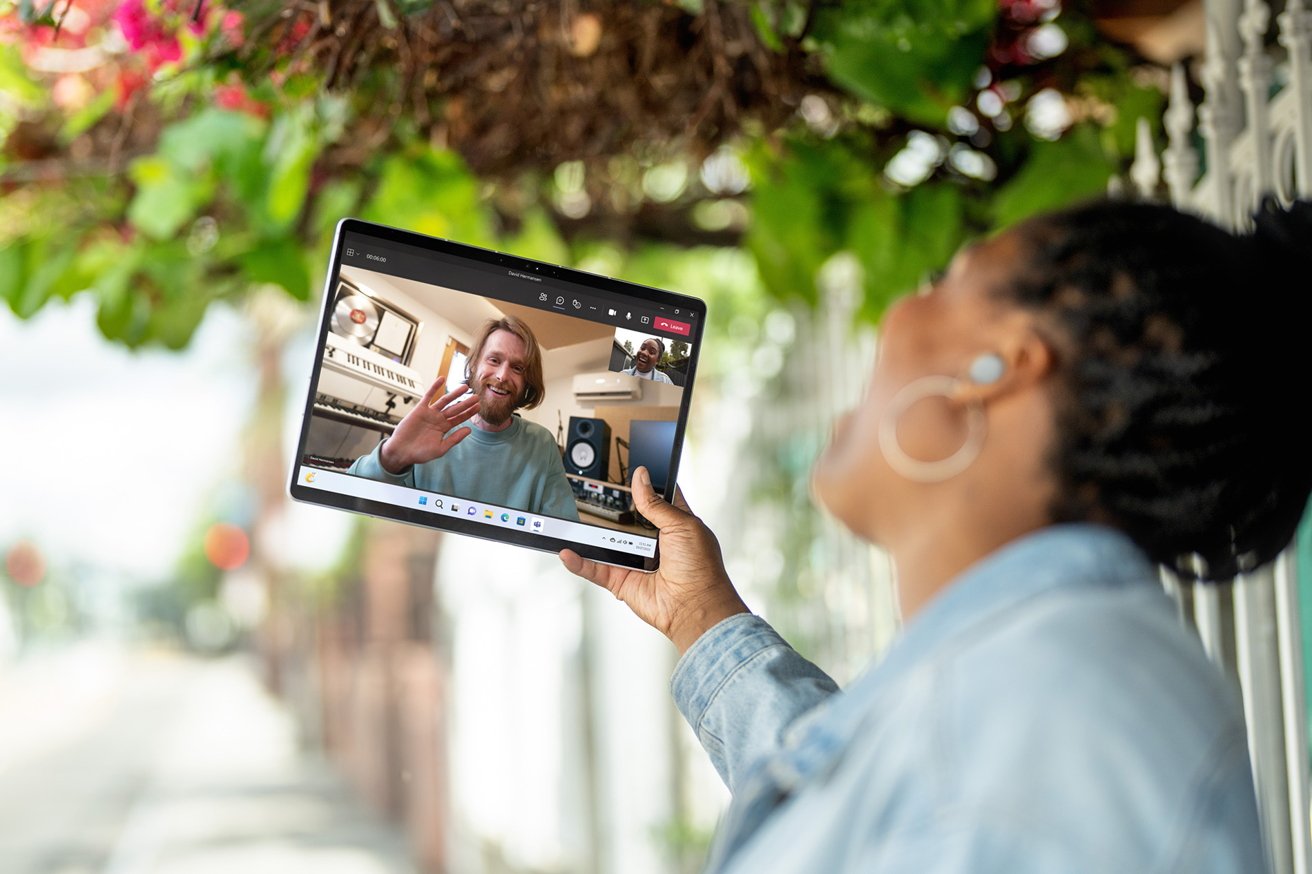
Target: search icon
[(437, 504)]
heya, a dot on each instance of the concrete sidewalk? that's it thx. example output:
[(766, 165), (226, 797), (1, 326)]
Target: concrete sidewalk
[(231, 793), (172, 765)]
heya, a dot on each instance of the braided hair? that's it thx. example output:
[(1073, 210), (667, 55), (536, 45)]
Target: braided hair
[(1181, 365)]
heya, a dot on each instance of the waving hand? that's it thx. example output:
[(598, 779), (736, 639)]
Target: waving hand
[(430, 429)]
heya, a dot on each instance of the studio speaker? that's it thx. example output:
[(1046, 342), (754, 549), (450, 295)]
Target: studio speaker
[(587, 449)]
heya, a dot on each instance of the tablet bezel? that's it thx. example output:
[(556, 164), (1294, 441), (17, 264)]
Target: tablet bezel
[(440, 522)]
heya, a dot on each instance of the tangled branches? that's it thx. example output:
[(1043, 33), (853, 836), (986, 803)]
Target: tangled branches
[(514, 85)]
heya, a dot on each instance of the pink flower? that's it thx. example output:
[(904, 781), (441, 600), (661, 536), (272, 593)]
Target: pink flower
[(147, 34), (134, 22), (233, 28)]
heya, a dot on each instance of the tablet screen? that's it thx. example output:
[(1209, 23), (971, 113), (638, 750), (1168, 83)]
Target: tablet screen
[(573, 381)]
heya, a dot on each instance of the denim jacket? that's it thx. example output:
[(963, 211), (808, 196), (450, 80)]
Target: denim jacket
[(1046, 712)]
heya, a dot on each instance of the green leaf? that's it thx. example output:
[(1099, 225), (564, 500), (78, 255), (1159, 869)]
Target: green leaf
[(118, 308), (1135, 103), (174, 273), (917, 59), (124, 319), (209, 138), (246, 179), (901, 238), (290, 153), (15, 84), (174, 323), (167, 197), (162, 300), (431, 192), (934, 218), (802, 202), (1056, 174), (786, 237), (280, 262), (13, 272), (301, 86), (85, 118), (538, 238), (875, 235), (334, 202), (38, 269), (765, 28)]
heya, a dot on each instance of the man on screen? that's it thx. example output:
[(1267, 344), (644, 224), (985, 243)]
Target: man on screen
[(506, 460), (645, 360)]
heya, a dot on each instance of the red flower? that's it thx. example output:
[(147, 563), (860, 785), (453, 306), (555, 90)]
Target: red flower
[(234, 97), (129, 83), (232, 26)]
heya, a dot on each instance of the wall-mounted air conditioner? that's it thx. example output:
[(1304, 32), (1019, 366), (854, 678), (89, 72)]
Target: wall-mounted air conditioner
[(592, 388)]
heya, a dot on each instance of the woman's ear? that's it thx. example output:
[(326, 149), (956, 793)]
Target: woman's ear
[(1031, 358)]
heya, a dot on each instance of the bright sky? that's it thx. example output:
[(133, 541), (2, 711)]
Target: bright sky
[(111, 455)]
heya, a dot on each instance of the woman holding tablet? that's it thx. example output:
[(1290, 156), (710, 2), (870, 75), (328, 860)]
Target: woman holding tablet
[(1079, 399)]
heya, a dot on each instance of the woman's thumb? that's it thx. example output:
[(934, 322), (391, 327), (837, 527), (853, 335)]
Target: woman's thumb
[(651, 505)]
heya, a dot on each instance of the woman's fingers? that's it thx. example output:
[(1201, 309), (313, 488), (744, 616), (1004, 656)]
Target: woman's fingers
[(600, 574)]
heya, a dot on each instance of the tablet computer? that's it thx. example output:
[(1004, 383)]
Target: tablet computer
[(488, 394)]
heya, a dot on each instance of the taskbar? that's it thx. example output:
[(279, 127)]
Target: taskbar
[(475, 511)]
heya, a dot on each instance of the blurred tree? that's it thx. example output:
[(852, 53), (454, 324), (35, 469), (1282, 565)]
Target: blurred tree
[(163, 154)]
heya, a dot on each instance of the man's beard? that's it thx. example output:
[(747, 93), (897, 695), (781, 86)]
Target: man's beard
[(493, 408)]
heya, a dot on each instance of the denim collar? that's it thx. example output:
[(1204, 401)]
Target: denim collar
[(1066, 556)]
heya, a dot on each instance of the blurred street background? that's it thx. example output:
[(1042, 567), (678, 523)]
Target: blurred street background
[(130, 760), (198, 676)]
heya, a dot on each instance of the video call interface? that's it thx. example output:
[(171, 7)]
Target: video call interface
[(602, 398)]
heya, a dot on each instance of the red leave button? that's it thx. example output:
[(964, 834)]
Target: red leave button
[(664, 324)]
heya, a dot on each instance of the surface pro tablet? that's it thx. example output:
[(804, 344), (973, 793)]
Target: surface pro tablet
[(487, 394)]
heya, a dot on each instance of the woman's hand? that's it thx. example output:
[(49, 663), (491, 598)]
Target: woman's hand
[(690, 592), (428, 431)]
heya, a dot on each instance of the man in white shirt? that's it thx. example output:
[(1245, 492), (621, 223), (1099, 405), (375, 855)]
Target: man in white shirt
[(644, 361)]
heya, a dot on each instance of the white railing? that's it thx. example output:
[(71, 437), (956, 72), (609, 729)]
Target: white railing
[(1256, 126)]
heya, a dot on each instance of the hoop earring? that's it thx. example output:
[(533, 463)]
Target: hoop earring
[(945, 468)]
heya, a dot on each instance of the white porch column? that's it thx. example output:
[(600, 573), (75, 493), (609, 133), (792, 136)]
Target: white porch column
[(1258, 657), (1296, 37)]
